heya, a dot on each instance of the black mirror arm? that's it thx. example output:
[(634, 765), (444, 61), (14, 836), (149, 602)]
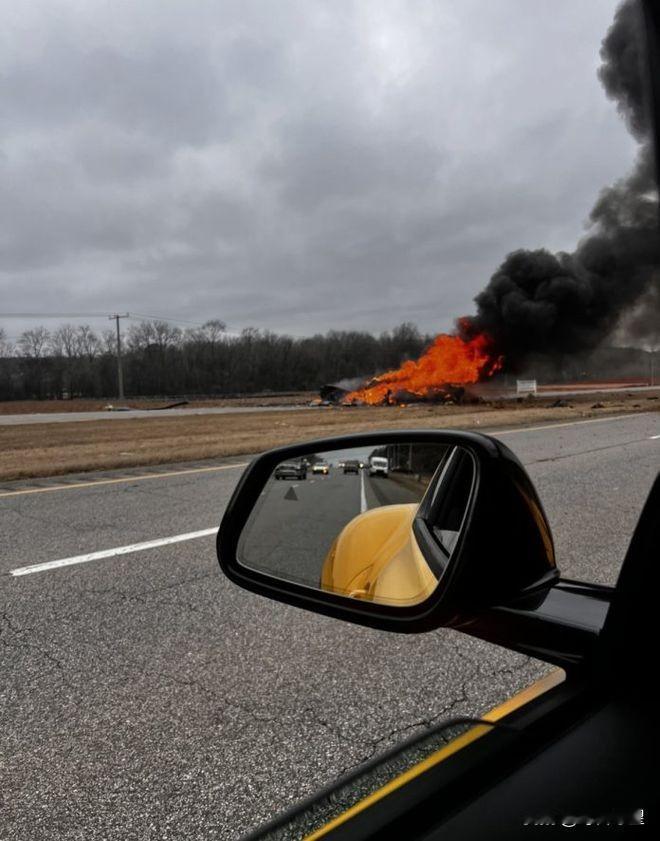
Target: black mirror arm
[(562, 628)]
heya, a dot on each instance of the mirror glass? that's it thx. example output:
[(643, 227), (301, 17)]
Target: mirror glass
[(348, 521)]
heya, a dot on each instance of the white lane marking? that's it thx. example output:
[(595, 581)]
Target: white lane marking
[(363, 496), (654, 437), (557, 425), (111, 553)]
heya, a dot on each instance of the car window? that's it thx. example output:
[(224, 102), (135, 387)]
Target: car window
[(232, 227), (450, 504)]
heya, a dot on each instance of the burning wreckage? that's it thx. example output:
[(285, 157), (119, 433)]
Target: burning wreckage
[(442, 374), (538, 304), (335, 394)]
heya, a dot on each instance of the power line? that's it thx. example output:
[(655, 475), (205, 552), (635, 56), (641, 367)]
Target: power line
[(166, 318), (97, 315), (54, 315), (134, 316), (227, 330)]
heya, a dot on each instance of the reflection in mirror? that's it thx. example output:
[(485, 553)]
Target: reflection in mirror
[(342, 520)]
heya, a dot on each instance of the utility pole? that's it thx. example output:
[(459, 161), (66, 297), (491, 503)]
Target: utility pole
[(120, 373)]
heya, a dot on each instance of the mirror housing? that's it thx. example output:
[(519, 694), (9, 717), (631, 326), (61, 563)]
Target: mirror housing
[(504, 555)]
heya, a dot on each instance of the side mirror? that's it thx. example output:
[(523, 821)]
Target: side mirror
[(404, 530)]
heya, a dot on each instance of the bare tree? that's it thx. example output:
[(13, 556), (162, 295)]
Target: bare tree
[(33, 346), (87, 342), (165, 335), (6, 365), (34, 343), (213, 330), (108, 343), (63, 348), (6, 347), (140, 336), (63, 341)]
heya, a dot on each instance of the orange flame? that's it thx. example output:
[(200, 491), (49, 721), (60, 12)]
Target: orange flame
[(450, 360)]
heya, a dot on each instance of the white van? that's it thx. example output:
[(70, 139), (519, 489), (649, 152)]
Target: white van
[(378, 466)]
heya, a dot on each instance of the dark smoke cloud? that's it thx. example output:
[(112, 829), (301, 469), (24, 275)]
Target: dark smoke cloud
[(623, 70), (642, 322), (553, 304)]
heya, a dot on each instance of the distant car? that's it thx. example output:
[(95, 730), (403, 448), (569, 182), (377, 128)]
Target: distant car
[(291, 470), (351, 467), (321, 467)]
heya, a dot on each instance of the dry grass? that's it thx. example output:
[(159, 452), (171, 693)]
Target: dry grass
[(49, 449)]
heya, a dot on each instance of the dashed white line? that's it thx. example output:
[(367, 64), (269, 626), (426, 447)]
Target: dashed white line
[(363, 496), (111, 553)]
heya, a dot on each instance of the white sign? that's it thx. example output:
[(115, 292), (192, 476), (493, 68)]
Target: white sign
[(525, 386)]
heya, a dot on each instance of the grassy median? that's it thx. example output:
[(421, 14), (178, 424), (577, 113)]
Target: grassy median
[(49, 449)]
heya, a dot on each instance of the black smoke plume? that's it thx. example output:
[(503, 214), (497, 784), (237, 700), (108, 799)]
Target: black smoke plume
[(538, 303)]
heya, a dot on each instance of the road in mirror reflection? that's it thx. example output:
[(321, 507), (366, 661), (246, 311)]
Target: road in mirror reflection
[(342, 520)]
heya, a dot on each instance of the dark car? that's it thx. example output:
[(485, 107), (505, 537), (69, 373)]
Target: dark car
[(352, 466), (290, 470)]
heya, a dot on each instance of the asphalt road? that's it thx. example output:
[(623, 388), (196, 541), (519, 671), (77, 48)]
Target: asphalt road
[(131, 414), (296, 522), (146, 697)]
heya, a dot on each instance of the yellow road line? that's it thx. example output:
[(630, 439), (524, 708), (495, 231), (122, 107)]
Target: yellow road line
[(142, 478), (520, 699)]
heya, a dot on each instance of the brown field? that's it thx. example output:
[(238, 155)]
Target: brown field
[(49, 449)]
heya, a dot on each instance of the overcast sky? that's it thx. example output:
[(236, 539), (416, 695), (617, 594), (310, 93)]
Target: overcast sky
[(296, 166)]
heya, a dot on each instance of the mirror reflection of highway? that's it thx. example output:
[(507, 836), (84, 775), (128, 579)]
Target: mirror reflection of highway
[(298, 520)]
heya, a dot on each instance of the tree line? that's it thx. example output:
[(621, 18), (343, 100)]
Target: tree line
[(159, 359)]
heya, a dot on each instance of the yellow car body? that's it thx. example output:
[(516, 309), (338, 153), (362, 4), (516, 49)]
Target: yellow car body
[(376, 557)]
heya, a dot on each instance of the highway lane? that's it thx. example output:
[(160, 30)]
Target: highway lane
[(130, 414), (296, 522), (146, 697)]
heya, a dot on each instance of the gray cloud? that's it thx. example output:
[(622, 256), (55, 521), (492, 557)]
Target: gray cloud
[(294, 166)]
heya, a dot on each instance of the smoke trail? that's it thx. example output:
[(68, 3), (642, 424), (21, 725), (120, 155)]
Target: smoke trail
[(551, 304)]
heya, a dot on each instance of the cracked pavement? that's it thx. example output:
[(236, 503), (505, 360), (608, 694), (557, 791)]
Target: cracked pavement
[(146, 697)]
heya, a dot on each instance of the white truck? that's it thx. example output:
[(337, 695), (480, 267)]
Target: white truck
[(378, 466)]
